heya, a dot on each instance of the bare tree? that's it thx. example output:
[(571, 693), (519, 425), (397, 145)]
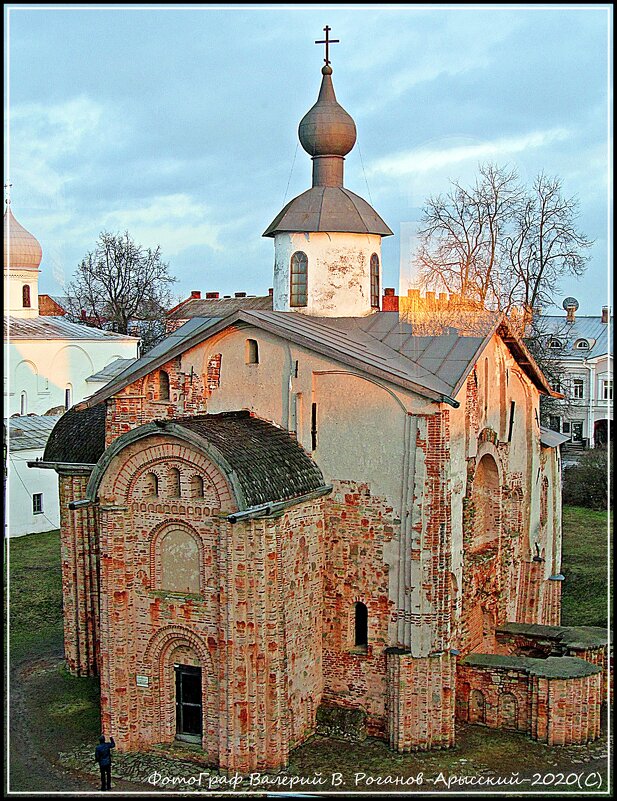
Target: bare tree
[(499, 245), (462, 236), (503, 247), (121, 286), (544, 245)]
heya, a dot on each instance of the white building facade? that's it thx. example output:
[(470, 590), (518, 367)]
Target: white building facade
[(582, 345), (49, 364)]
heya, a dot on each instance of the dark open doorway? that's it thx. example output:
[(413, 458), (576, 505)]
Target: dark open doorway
[(188, 703)]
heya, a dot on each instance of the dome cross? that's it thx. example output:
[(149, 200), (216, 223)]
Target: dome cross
[(327, 41)]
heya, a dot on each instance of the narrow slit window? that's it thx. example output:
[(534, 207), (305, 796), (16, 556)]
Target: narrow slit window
[(511, 425), (163, 385), (251, 352), (298, 295), (361, 625), (68, 397), (375, 281), (25, 294), (314, 427), (23, 404)]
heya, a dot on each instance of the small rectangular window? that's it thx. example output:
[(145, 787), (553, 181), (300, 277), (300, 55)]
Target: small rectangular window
[(37, 503), (566, 426), (607, 390), (578, 388)]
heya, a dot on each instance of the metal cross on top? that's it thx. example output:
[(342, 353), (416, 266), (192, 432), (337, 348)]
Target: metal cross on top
[(8, 186), (327, 41)]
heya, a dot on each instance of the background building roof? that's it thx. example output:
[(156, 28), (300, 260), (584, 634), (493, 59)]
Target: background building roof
[(110, 371), (219, 307), (55, 328), (78, 437), (590, 328), (30, 431)]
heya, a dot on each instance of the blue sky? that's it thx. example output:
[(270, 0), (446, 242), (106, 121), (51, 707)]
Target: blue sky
[(179, 124)]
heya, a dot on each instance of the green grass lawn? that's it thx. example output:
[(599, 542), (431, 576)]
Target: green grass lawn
[(584, 565), (35, 593)]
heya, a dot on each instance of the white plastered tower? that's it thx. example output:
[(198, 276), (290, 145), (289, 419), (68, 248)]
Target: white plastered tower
[(327, 241)]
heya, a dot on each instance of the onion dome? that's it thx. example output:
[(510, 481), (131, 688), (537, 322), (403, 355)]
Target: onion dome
[(22, 251), (327, 129)]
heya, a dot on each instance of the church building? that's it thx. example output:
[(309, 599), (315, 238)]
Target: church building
[(274, 514)]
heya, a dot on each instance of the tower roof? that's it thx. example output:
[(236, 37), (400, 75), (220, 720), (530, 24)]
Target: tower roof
[(330, 209), (327, 133), (22, 251)]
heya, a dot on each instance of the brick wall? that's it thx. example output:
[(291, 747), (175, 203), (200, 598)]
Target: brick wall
[(357, 525), (80, 577), (420, 701), (254, 627), (555, 711)]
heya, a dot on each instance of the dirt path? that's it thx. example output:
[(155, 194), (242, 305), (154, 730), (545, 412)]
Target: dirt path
[(33, 759)]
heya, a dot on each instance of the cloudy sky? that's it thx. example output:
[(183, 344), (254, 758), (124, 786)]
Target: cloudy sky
[(179, 124)]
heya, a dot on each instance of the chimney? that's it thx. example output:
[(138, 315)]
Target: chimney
[(389, 302), (212, 295), (240, 294), (570, 314), (195, 294), (605, 315)]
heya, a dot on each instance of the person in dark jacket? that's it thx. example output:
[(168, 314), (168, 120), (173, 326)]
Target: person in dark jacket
[(102, 755)]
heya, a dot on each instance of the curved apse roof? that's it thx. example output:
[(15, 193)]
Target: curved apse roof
[(328, 209), (266, 462)]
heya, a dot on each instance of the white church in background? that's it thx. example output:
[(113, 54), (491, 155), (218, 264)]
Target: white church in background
[(50, 363)]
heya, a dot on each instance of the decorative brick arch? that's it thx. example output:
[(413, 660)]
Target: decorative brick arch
[(157, 662), (147, 449)]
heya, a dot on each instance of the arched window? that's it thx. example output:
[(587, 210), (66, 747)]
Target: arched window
[(361, 625), (197, 487), (554, 344), (23, 404), (375, 281), (251, 354), (174, 482), (163, 385), (25, 294), (68, 396), (582, 344), (152, 485), (298, 295)]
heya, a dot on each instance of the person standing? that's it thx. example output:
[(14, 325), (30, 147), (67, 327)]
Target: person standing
[(102, 755)]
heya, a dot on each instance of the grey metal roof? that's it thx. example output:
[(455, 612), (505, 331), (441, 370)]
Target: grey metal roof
[(329, 209), (590, 328), (55, 328), (552, 439), (30, 431), (110, 371), (382, 344), (219, 307)]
